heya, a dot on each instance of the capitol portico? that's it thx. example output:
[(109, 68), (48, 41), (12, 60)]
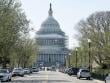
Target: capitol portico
[(52, 42)]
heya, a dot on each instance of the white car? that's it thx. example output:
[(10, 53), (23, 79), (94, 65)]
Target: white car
[(5, 75), (107, 79), (18, 72), (84, 73), (27, 71), (34, 69)]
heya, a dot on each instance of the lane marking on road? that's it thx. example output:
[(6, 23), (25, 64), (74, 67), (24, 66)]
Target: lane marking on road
[(47, 77)]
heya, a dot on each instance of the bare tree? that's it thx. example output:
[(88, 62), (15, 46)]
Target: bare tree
[(97, 28)]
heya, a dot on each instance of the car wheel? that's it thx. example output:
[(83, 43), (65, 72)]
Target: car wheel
[(7, 79), (69, 74), (78, 77), (22, 75), (10, 79), (88, 78)]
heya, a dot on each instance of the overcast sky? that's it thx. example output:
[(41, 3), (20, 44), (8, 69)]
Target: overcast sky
[(67, 12)]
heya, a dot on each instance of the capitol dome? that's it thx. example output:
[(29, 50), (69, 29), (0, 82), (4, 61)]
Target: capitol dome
[(52, 43), (50, 25)]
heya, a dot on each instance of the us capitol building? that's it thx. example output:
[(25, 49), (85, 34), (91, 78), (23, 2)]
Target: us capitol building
[(52, 43)]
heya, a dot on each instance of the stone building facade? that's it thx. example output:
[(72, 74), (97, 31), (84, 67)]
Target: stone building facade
[(52, 43)]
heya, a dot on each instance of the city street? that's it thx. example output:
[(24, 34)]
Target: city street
[(49, 77), (54, 41)]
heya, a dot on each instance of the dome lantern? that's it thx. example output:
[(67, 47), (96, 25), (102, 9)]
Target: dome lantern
[(50, 25), (50, 10)]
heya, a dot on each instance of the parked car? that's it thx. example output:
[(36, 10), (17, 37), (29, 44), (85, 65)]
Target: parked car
[(18, 72), (71, 71), (67, 70), (62, 69), (34, 69), (107, 79), (31, 70), (53, 68), (48, 68), (75, 71), (5, 75), (84, 73), (27, 71)]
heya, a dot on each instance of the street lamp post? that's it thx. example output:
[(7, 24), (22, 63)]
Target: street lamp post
[(89, 42), (65, 61), (81, 58), (69, 59), (76, 56)]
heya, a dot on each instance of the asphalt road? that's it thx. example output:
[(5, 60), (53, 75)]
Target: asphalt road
[(49, 77)]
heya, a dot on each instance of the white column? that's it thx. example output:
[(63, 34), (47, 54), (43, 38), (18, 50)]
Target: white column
[(53, 57), (46, 57), (43, 57), (39, 56), (58, 57)]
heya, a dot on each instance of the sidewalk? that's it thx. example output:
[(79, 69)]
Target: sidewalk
[(98, 81)]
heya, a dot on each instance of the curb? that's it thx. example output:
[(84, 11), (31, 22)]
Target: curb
[(98, 81)]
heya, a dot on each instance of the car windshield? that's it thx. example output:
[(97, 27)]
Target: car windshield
[(17, 69), (3, 71), (26, 69)]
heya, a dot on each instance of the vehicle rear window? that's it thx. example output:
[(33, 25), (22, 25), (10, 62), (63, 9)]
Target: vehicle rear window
[(85, 71)]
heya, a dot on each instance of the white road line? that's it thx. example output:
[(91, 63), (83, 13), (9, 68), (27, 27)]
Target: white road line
[(47, 77)]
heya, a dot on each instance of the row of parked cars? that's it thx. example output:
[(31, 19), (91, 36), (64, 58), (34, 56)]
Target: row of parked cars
[(80, 73), (6, 75)]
